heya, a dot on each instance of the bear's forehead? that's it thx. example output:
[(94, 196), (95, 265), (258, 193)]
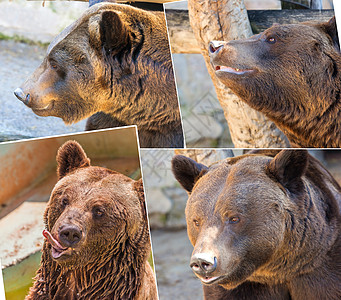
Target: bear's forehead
[(93, 11), (293, 30), (234, 181), (92, 182)]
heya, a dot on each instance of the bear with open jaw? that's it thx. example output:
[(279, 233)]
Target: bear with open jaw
[(265, 225), (292, 74), (97, 238), (113, 65)]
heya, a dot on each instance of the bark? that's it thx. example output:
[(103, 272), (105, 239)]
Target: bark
[(227, 20), (182, 38)]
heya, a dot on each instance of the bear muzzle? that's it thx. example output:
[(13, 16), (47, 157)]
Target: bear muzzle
[(203, 265), (69, 235), (25, 98), (214, 47)]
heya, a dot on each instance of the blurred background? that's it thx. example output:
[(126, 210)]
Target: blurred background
[(26, 29), (27, 177)]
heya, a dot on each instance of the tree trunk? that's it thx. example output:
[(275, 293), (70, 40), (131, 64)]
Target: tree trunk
[(316, 4), (227, 20), (205, 156)]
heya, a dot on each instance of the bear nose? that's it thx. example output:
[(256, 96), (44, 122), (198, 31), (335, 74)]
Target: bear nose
[(215, 46), (22, 96), (203, 263), (70, 235)]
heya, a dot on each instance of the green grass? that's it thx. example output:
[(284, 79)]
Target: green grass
[(21, 39)]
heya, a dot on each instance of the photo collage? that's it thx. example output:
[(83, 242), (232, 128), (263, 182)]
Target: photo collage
[(161, 149)]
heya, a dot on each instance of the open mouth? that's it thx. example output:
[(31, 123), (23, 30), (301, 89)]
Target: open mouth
[(210, 280), (235, 71), (57, 249)]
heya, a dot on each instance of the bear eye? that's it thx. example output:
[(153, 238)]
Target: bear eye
[(271, 40), (196, 223), (65, 201), (53, 64), (234, 220), (98, 212)]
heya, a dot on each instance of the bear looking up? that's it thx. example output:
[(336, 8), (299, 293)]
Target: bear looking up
[(113, 65), (264, 226), (97, 238), (292, 74)]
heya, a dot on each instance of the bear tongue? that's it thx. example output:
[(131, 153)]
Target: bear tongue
[(57, 249), (55, 244)]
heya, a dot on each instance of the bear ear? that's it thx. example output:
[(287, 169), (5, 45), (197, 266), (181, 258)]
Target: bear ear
[(114, 34), (331, 29), (288, 166), (71, 156), (187, 171)]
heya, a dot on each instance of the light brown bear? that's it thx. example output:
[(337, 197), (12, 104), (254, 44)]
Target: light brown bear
[(97, 237), (264, 226), (113, 65)]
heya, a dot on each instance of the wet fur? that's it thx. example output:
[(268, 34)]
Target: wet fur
[(115, 268)]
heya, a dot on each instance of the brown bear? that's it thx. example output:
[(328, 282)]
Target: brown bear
[(97, 237), (264, 225), (292, 74), (112, 64)]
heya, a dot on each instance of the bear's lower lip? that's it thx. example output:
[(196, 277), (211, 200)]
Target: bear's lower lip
[(232, 70), (209, 280), (42, 110)]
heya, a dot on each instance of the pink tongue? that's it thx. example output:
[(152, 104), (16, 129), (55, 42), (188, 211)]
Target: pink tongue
[(53, 241)]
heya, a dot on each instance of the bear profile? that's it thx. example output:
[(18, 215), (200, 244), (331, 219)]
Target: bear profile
[(291, 73), (264, 225), (97, 237), (113, 65)]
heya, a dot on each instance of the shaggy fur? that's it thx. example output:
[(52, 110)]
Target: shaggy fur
[(291, 73), (108, 260), (114, 66), (265, 225)]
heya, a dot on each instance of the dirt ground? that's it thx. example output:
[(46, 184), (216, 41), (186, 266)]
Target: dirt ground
[(18, 61), (172, 251)]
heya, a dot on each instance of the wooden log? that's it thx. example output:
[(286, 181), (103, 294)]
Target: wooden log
[(182, 39)]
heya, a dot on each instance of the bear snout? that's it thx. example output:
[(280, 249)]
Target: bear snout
[(25, 98), (70, 235), (203, 264), (214, 47)]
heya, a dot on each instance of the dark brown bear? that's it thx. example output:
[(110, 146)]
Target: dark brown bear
[(114, 65), (292, 74), (264, 226), (97, 237)]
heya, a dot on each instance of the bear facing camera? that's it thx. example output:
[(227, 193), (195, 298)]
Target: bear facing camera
[(265, 225), (97, 237)]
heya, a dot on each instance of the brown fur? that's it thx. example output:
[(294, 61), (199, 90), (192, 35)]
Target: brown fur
[(110, 260), (296, 79), (272, 221), (114, 66)]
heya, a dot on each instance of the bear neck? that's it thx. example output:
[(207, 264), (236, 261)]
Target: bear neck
[(310, 117), (312, 267), (115, 274), (323, 282)]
